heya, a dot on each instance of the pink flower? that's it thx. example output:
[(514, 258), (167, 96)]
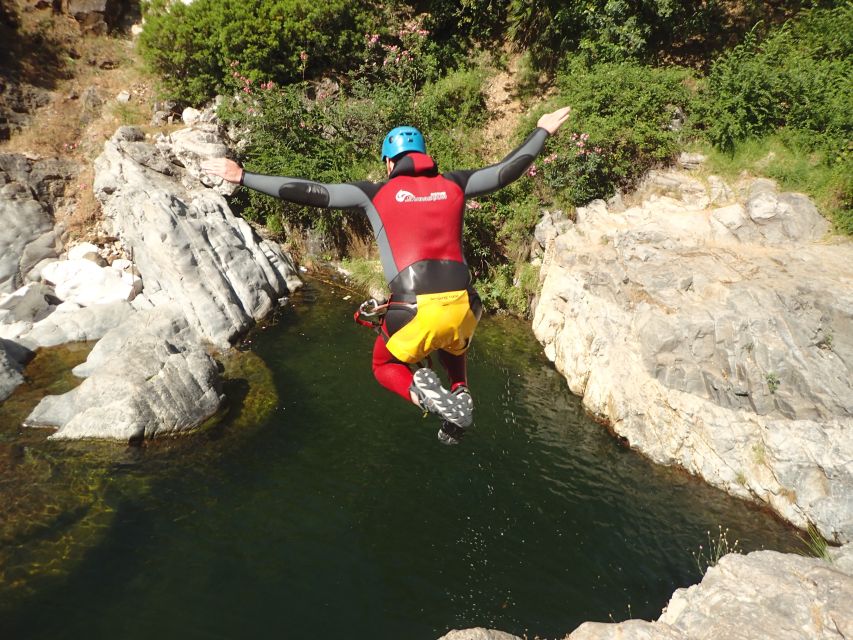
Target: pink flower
[(532, 171), (303, 56), (597, 149), (472, 204), (549, 159)]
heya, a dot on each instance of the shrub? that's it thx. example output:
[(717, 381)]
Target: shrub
[(337, 138), (608, 30), (797, 78), (621, 125), (192, 46)]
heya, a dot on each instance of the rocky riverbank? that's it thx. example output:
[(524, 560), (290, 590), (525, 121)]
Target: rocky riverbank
[(174, 276), (712, 328), (764, 595)]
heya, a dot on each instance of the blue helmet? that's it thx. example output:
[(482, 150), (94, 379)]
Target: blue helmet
[(401, 140)]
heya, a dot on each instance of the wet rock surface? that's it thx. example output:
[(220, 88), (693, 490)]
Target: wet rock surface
[(146, 381)]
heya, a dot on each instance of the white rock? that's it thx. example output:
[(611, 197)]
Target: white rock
[(75, 325), (85, 283), (122, 264), (714, 342), (123, 97), (761, 596), (26, 304), (80, 251), (147, 380), (190, 116), (186, 243)]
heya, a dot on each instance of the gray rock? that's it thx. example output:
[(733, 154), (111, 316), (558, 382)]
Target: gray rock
[(95, 16), (78, 325), (29, 192), (478, 633), (140, 385), (551, 225), (164, 323), (782, 218), (10, 373), (183, 237), (691, 161), (761, 596), (707, 346)]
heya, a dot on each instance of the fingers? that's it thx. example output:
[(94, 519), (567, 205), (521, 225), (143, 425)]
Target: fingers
[(551, 122), (224, 168)]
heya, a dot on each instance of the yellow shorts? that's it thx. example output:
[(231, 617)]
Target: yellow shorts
[(443, 321)]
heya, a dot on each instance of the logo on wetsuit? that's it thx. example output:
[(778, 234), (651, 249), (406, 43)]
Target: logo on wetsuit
[(408, 196)]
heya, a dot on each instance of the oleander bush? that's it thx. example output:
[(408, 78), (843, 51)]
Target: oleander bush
[(626, 118), (285, 130)]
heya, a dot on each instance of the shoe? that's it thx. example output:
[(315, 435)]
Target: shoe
[(455, 407), (450, 433)]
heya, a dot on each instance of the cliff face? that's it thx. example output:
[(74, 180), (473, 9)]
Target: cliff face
[(718, 337)]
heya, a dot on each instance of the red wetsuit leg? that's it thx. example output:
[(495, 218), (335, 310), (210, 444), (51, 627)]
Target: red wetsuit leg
[(390, 372), (456, 367)]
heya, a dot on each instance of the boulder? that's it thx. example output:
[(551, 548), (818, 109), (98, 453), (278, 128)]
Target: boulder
[(74, 324), (478, 633), (764, 595), (186, 243), (95, 16), (718, 340), (85, 283), (147, 381)]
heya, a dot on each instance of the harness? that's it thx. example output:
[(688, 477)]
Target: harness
[(370, 314)]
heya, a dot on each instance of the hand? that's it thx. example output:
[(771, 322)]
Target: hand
[(551, 122), (226, 169)]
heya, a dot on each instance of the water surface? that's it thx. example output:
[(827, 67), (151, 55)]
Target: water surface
[(340, 515)]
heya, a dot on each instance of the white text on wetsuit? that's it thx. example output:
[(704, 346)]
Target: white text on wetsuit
[(407, 196)]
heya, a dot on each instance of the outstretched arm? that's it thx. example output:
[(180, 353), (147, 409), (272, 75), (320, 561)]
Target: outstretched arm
[(305, 192), (479, 182)]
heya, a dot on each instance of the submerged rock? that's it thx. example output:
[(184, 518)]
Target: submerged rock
[(716, 339)]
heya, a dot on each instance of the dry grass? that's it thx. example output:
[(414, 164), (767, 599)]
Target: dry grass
[(49, 52)]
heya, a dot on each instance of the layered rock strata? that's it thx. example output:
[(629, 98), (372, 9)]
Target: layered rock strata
[(185, 242), (718, 338)]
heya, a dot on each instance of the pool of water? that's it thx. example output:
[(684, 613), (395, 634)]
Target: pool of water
[(340, 515)]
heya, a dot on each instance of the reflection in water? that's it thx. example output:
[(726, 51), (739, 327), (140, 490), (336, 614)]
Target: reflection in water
[(333, 510)]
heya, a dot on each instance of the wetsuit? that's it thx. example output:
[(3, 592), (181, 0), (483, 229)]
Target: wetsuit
[(416, 217)]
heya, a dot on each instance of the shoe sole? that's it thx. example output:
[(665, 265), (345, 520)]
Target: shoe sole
[(453, 408)]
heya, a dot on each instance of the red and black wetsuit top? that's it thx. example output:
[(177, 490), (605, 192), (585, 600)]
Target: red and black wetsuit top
[(416, 214)]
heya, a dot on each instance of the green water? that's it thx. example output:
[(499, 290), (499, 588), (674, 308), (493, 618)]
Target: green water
[(341, 516)]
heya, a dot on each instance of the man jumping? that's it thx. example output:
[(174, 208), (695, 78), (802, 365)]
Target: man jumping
[(416, 215)]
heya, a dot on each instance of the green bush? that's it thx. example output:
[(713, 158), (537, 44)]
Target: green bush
[(798, 78), (191, 46), (621, 125), (338, 138), (608, 30)]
